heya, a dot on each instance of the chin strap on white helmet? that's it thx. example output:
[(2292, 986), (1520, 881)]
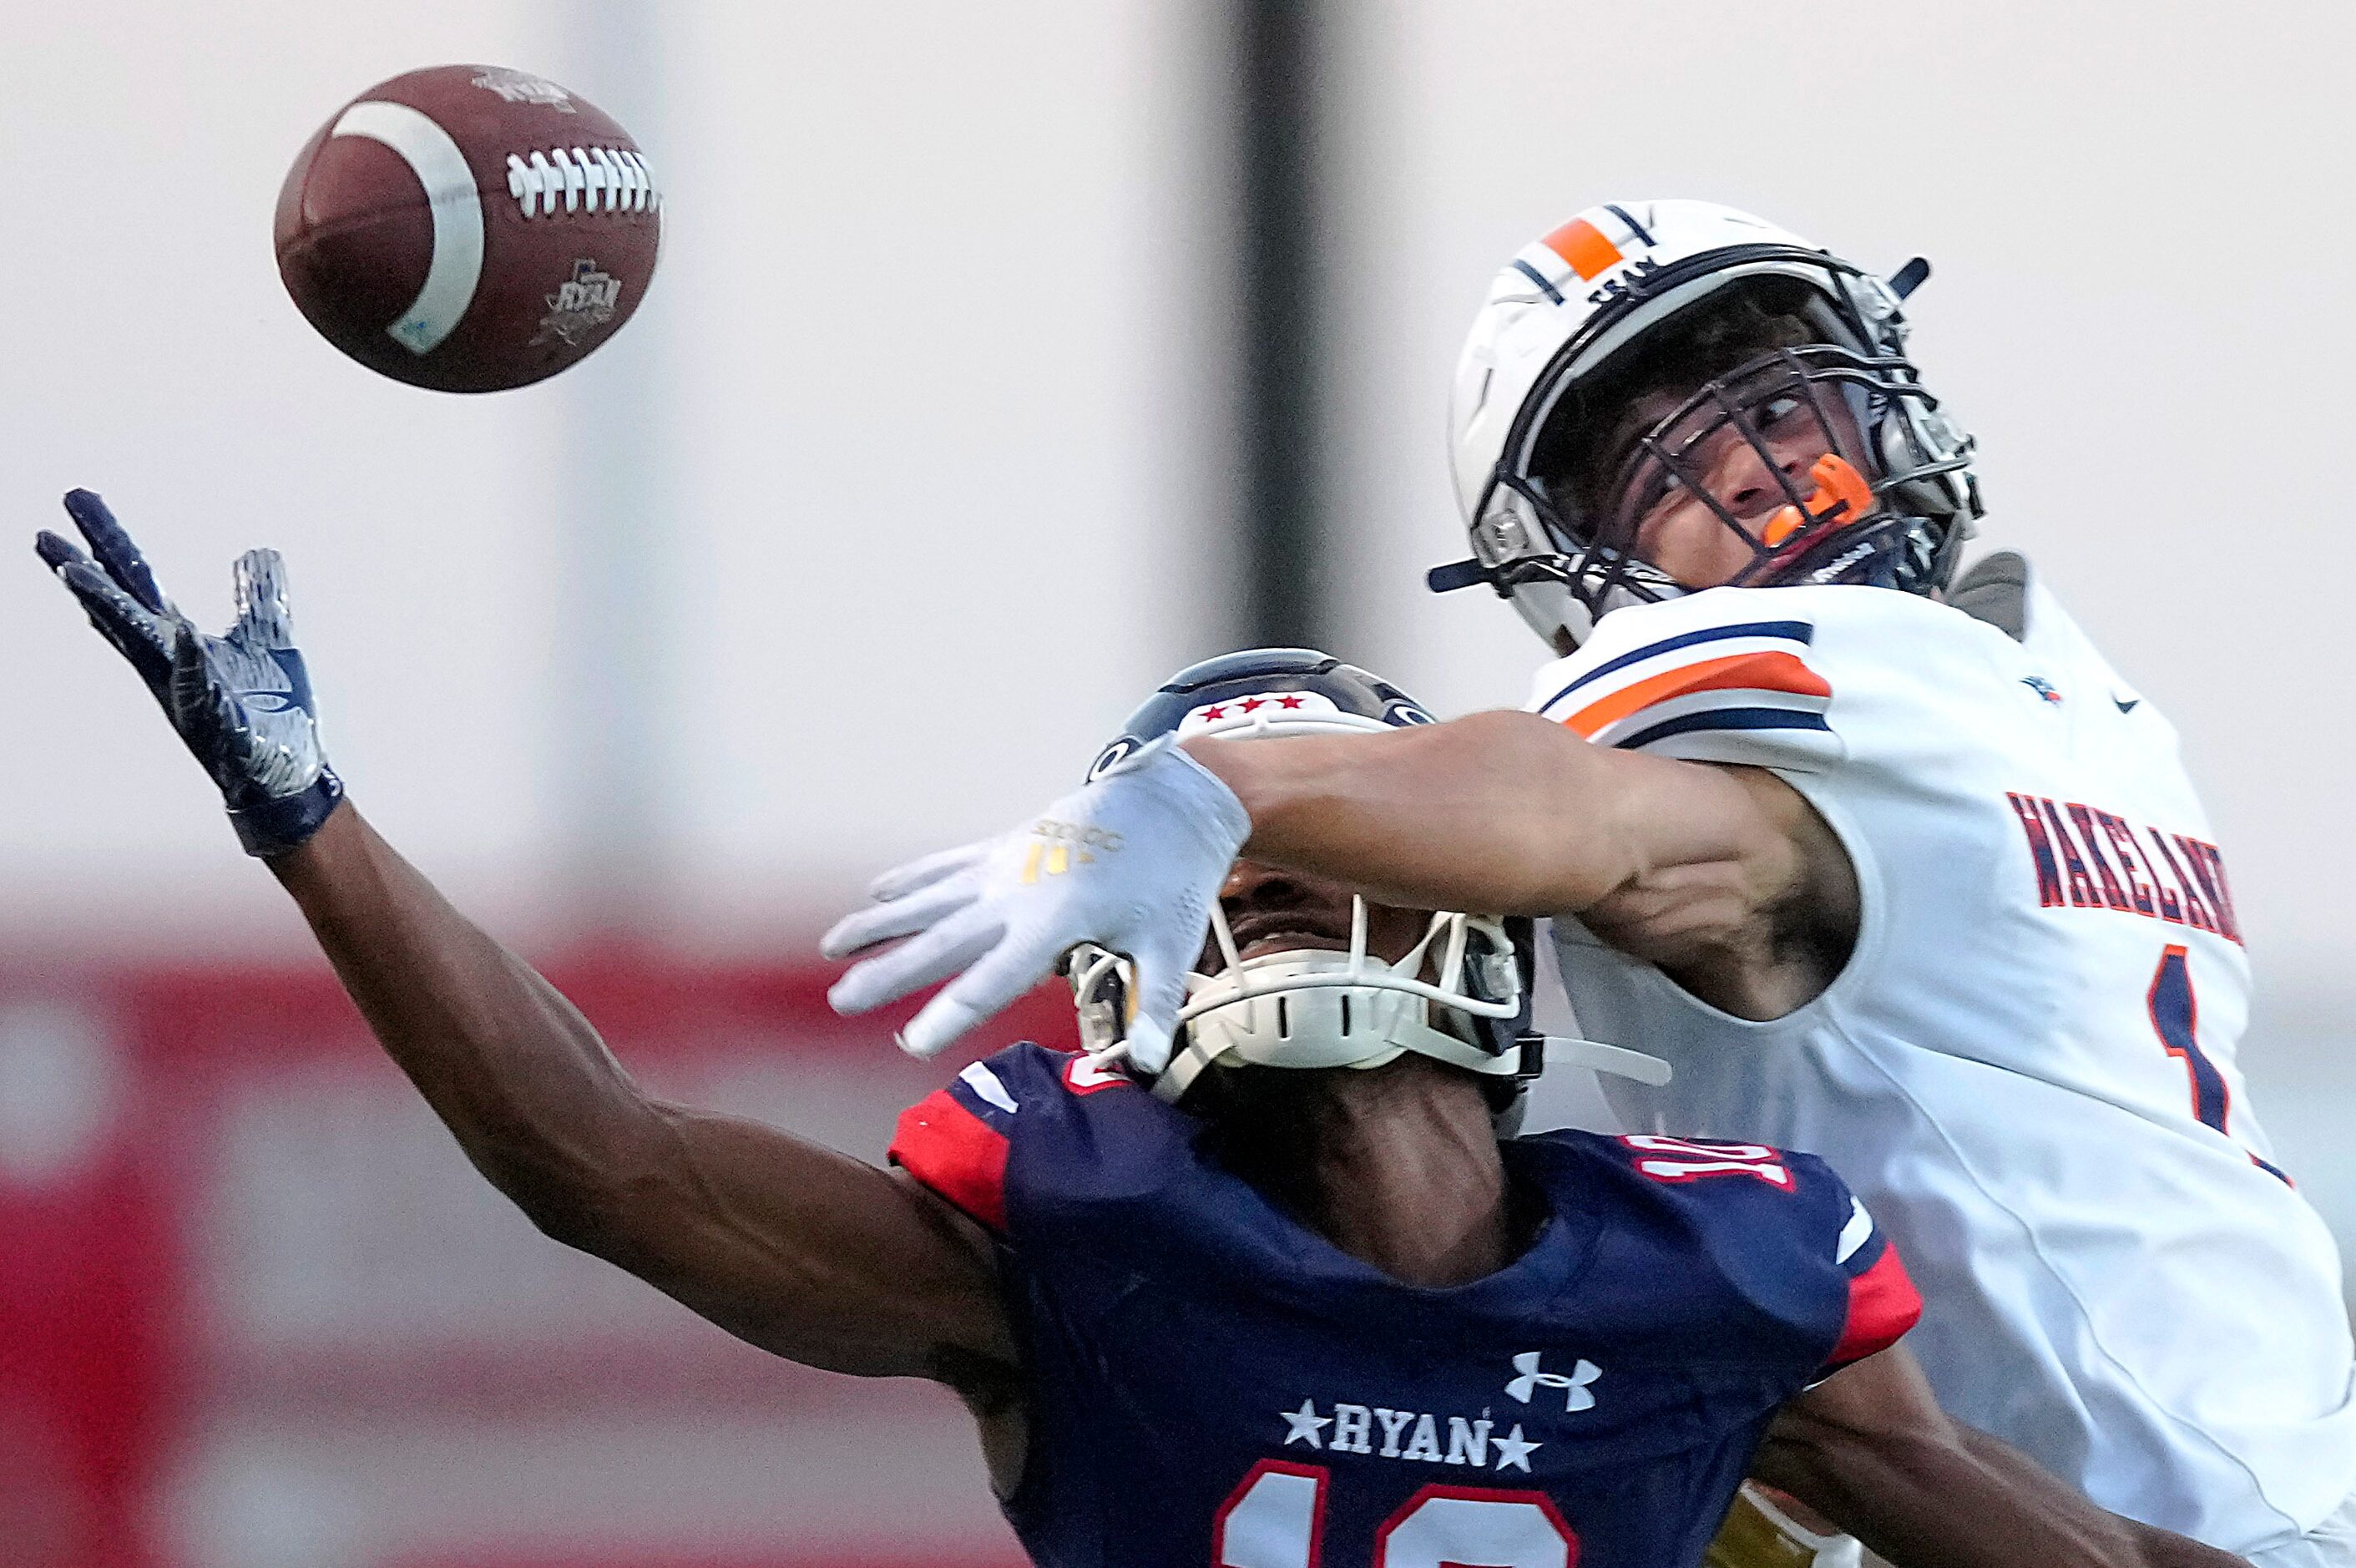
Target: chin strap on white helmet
[(1311, 1008)]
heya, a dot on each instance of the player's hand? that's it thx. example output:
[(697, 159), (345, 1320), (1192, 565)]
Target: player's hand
[(1131, 861), (242, 703)]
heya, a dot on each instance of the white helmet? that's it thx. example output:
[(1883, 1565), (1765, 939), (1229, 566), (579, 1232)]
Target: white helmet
[(1890, 504), (1310, 1007)]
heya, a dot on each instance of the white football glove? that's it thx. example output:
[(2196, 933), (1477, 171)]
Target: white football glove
[(1131, 861)]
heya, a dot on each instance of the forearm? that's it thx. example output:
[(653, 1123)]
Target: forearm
[(797, 1249), (1939, 1495), (1499, 811), (530, 1093), (1915, 1506), (2139, 1543)]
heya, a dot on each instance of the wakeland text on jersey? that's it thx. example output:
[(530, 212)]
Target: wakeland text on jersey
[(2066, 841)]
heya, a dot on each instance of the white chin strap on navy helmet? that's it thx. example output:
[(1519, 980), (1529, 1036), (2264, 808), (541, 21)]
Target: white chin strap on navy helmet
[(1460, 995)]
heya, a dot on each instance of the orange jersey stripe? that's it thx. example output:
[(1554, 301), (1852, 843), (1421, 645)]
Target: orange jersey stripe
[(1582, 244), (1765, 671)]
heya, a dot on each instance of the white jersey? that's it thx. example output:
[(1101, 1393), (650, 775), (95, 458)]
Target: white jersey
[(2027, 1068)]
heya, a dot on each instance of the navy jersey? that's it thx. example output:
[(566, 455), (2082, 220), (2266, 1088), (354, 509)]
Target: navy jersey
[(1211, 1382)]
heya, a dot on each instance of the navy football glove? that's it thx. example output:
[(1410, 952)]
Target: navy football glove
[(242, 703)]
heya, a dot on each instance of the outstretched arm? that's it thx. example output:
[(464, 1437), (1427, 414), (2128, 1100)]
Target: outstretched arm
[(816, 1256), (793, 1247), (1725, 877), (1870, 1450), (1510, 813)]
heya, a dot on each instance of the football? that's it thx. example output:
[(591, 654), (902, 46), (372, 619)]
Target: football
[(468, 228)]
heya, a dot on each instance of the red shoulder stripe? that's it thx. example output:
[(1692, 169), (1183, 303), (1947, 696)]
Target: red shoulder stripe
[(1882, 1306), (956, 1154)]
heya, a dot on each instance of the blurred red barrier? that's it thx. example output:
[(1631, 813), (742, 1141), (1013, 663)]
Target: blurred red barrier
[(249, 1294)]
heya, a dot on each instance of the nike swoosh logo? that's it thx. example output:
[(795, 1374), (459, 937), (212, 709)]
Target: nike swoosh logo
[(2126, 705)]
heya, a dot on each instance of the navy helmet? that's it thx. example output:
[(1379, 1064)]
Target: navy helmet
[(1263, 692)]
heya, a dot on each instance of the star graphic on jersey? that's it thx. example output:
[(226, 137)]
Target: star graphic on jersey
[(1513, 1451), (1304, 1424)]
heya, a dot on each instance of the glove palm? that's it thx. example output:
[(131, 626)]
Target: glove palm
[(242, 703)]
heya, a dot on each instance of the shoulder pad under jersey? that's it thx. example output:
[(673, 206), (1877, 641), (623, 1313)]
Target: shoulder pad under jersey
[(1784, 1225), (1763, 677), (957, 1140)]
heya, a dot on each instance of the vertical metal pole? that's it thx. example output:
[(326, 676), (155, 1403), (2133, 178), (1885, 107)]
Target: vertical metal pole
[(609, 781), (1279, 439)]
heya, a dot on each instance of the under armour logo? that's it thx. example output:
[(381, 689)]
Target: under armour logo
[(297, 693), (1575, 1394)]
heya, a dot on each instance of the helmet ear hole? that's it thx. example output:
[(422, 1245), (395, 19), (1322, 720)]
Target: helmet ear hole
[(1896, 443)]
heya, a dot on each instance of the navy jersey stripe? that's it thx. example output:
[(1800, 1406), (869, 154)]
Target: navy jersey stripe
[(1791, 630), (1726, 719), (1538, 278), (1628, 218)]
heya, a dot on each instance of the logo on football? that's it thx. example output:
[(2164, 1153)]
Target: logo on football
[(468, 228), (584, 302)]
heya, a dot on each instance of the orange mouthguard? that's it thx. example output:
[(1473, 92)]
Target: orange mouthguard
[(1841, 491)]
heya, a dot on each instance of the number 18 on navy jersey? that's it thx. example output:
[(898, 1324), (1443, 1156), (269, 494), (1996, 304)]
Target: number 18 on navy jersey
[(1211, 1383)]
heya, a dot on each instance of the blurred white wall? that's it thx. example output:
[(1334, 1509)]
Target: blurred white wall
[(947, 411), (153, 355), (926, 358)]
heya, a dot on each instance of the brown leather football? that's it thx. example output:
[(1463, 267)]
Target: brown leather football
[(468, 228)]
